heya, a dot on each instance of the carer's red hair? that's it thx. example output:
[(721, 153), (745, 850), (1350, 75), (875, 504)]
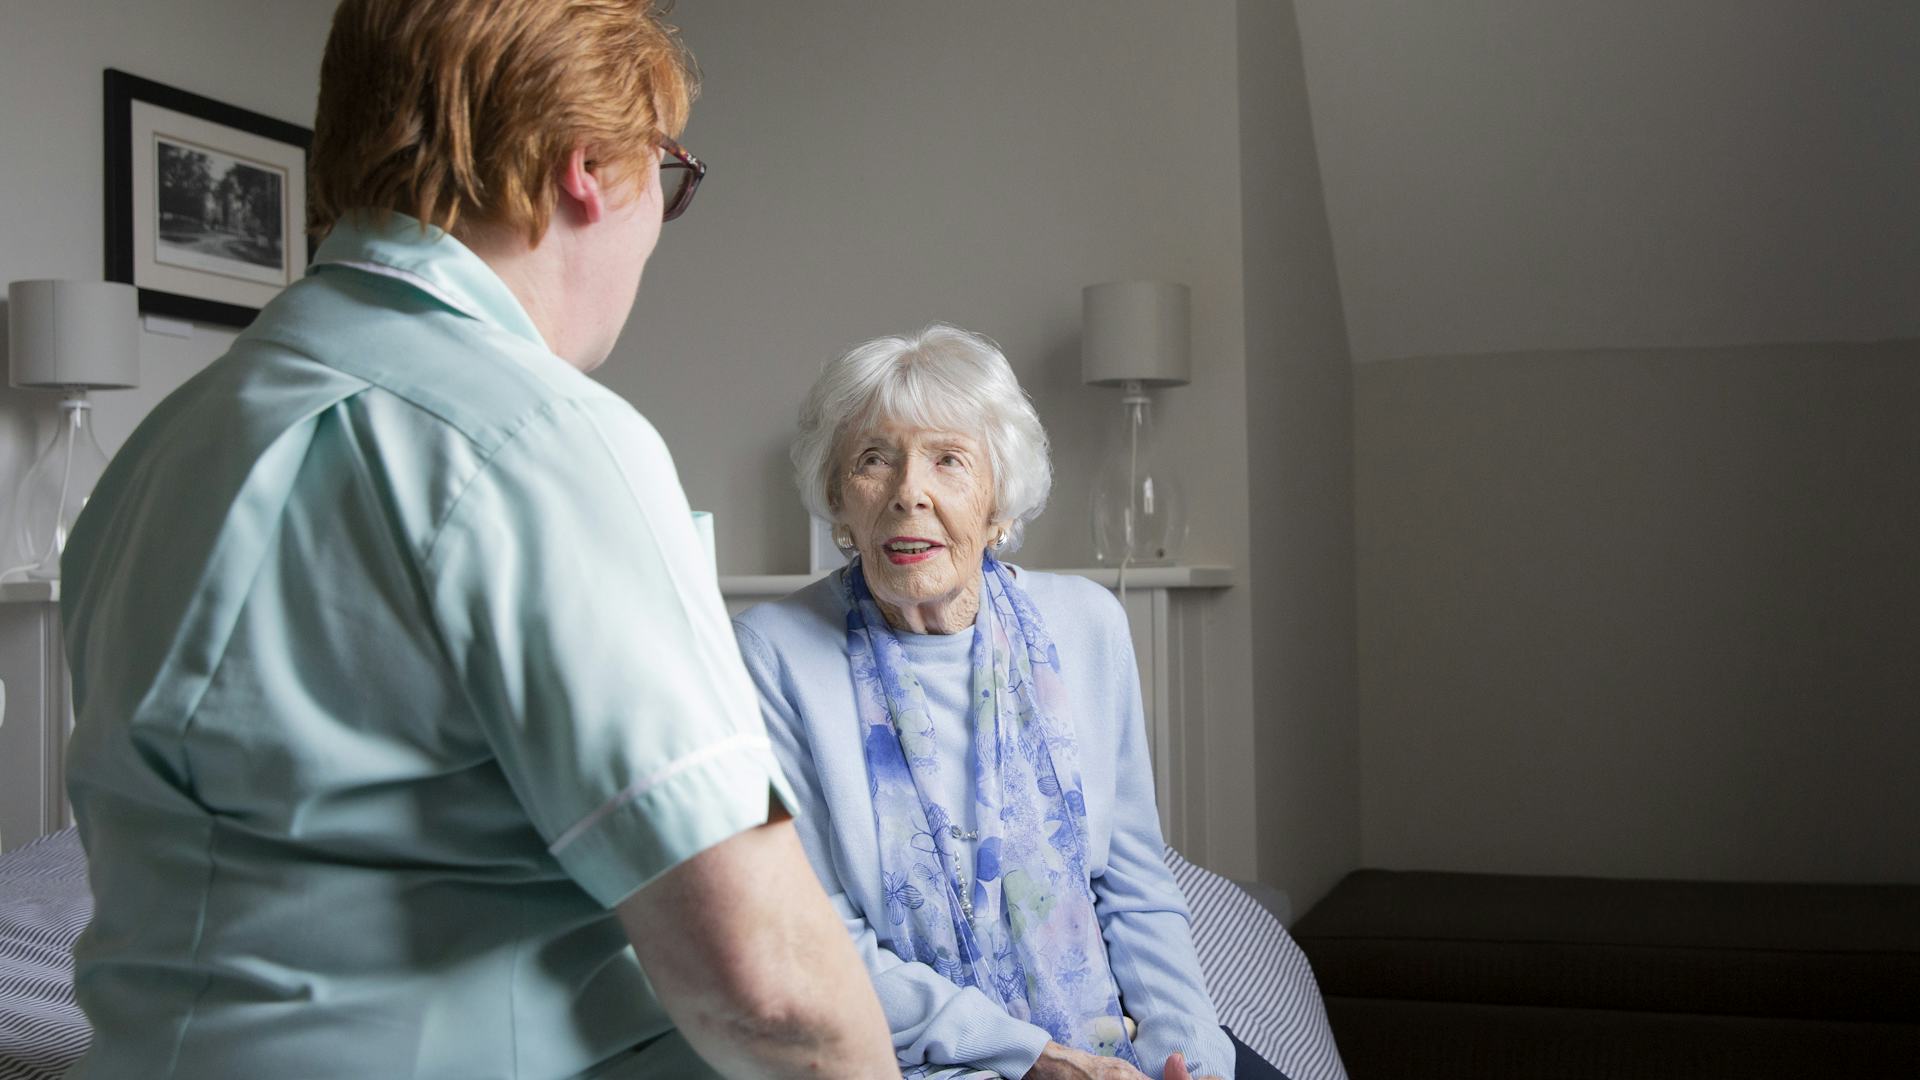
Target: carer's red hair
[(463, 110)]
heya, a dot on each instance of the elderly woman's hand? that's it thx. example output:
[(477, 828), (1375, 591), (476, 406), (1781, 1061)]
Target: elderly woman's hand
[(1177, 1070), (1059, 1062), (1065, 1063)]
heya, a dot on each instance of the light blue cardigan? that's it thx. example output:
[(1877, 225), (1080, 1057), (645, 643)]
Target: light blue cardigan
[(795, 650)]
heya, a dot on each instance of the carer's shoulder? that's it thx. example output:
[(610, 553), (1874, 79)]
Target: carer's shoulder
[(472, 376), (613, 419)]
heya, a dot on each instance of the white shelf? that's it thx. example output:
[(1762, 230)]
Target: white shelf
[(742, 585), (1138, 577), (30, 592), (1155, 577), (765, 584)]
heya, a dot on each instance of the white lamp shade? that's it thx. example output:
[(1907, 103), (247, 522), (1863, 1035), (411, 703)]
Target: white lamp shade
[(73, 334), (1136, 331)]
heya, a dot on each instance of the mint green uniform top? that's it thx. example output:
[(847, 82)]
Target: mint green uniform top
[(396, 663)]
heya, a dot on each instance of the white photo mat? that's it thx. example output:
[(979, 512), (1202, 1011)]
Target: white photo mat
[(151, 123)]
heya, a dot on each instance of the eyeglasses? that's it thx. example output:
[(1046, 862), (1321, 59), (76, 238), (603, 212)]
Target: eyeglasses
[(679, 178)]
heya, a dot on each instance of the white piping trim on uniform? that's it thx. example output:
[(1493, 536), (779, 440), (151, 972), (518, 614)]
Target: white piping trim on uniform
[(647, 783)]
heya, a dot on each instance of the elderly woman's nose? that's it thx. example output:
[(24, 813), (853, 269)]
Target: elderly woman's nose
[(910, 486)]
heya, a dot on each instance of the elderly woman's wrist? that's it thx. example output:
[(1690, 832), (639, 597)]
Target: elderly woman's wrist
[(1047, 1066), (1200, 1042), (1020, 1060)]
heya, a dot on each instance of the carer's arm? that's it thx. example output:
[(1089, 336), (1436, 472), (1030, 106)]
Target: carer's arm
[(752, 964), (581, 615)]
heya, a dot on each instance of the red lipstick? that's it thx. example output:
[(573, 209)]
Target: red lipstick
[(907, 550)]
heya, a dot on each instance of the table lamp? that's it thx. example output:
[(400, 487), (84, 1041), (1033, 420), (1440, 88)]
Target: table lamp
[(70, 336), (1136, 335)]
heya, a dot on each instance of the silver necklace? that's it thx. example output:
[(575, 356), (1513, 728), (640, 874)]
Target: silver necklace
[(960, 867)]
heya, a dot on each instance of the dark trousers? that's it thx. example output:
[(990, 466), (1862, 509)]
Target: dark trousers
[(1248, 1065)]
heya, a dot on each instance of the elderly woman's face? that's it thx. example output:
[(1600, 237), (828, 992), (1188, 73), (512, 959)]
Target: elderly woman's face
[(918, 503)]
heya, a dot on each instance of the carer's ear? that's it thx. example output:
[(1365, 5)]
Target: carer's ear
[(582, 185)]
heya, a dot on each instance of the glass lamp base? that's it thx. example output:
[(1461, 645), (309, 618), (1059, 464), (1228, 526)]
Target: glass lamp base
[(1139, 512), (54, 491)]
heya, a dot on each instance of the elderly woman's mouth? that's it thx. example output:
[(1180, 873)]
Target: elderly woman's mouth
[(902, 550)]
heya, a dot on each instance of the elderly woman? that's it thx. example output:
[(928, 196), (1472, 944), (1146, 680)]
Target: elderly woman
[(968, 742)]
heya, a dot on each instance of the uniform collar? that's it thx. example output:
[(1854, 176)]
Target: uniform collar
[(432, 261)]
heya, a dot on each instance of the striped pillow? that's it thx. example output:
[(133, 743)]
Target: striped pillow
[(44, 904), (1259, 979)]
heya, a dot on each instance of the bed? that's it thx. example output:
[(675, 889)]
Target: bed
[(1259, 978), (44, 904)]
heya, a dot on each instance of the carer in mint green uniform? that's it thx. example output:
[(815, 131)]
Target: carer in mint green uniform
[(396, 662)]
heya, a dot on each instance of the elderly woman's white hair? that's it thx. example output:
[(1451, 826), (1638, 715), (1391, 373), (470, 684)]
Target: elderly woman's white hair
[(945, 378)]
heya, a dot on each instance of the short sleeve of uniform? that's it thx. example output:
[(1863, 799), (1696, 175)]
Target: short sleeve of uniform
[(583, 617)]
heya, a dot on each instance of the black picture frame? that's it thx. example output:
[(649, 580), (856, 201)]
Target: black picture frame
[(152, 260)]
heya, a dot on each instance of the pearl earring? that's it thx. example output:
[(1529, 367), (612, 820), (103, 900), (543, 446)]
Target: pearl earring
[(843, 538)]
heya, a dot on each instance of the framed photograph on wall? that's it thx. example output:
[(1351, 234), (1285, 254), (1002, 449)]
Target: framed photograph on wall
[(206, 202)]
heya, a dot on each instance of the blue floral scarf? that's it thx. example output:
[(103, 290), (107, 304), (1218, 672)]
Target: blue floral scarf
[(1007, 908)]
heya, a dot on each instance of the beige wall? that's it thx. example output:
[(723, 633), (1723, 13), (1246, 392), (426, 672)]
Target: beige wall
[(877, 166), (259, 56), (1643, 613), (1635, 584), (1513, 175), (1300, 476)]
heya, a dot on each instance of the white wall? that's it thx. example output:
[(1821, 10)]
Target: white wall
[(1508, 175), (259, 56)]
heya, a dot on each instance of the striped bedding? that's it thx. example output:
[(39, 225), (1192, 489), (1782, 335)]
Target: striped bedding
[(44, 903), (1258, 977)]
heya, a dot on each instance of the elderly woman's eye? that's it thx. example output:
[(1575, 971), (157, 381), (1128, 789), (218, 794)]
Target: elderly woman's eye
[(951, 459)]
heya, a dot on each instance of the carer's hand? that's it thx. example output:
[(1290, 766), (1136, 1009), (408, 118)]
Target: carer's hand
[(1059, 1062), (1177, 1070)]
